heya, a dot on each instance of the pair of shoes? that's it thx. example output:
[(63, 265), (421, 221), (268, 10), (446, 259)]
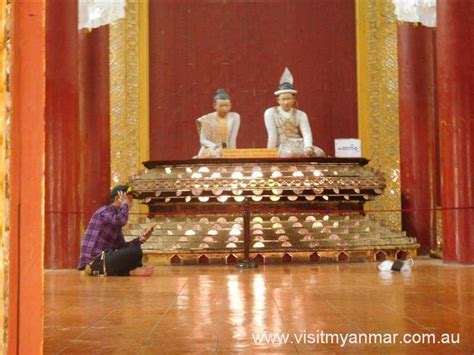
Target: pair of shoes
[(96, 267), (89, 270), (397, 265)]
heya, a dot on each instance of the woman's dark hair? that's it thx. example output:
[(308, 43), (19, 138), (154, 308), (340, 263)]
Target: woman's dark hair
[(115, 191)]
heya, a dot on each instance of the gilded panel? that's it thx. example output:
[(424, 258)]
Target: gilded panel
[(128, 53), (378, 99), (5, 122)]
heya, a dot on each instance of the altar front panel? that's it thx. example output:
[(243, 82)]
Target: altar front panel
[(199, 46), (268, 209)]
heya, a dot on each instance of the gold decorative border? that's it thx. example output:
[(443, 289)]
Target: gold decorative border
[(5, 125), (128, 57), (129, 92), (377, 77), (143, 80)]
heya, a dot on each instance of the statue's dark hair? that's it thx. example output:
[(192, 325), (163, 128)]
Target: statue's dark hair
[(221, 94), (286, 86)]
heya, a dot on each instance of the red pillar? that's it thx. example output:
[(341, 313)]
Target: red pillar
[(94, 119), (455, 53), (77, 126), (62, 229), (417, 133), (25, 264)]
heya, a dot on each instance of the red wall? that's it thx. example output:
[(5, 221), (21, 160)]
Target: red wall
[(199, 46)]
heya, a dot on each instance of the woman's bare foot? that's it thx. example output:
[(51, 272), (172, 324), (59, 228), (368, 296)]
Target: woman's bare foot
[(146, 270)]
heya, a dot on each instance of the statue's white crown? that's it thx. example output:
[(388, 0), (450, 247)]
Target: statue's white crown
[(286, 83)]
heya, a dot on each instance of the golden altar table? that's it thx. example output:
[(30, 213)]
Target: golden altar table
[(265, 209)]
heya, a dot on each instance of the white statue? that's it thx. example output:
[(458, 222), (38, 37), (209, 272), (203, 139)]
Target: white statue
[(218, 130), (287, 127)]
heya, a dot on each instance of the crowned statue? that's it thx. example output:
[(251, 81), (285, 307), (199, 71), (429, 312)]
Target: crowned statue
[(287, 127), (218, 130)]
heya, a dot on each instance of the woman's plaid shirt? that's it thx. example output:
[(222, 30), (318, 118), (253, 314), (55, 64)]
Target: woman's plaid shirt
[(104, 232)]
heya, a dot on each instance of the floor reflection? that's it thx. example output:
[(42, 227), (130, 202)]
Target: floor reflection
[(218, 309)]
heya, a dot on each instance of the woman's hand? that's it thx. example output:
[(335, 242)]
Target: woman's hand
[(146, 234), (124, 198)]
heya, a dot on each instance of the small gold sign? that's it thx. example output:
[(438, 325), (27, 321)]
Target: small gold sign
[(250, 153)]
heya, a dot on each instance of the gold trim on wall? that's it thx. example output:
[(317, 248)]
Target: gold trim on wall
[(144, 73), (129, 117), (377, 78), (5, 120), (129, 95)]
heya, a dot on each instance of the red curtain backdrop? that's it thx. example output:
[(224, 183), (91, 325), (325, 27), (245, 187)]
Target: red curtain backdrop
[(199, 46)]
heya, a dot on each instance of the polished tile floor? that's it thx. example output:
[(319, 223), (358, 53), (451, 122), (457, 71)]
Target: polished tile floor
[(272, 309)]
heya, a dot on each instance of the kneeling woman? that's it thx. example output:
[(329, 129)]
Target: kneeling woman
[(104, 250)]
